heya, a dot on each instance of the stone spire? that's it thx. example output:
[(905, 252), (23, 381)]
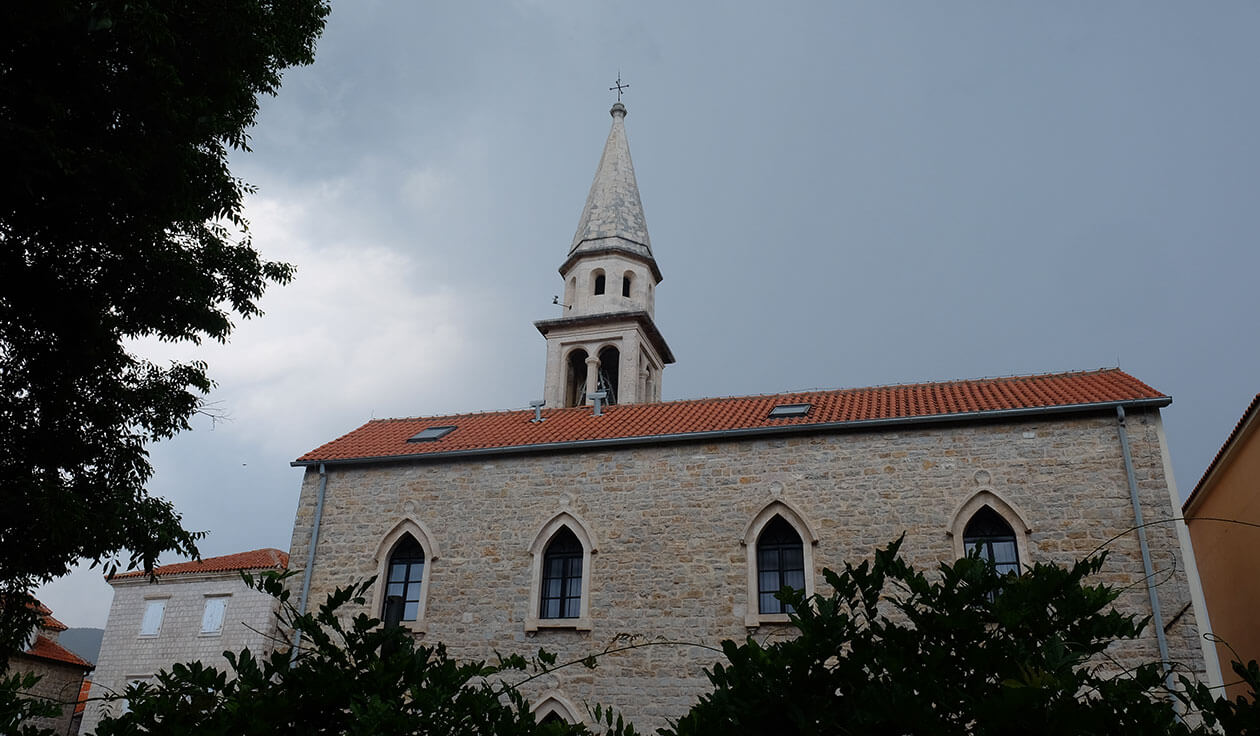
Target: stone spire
[(605, 339), (613, 217)]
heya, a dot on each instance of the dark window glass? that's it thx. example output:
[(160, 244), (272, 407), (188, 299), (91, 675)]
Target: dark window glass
[(780, 564), (562, 577), (551, 718), (599, 283), (989, 536), (406, 570), (625, 285)]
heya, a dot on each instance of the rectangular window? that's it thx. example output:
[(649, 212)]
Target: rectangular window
[(212, 615), (152, 622), (789, 410)]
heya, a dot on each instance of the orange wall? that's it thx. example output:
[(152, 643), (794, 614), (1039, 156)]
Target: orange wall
[(1228, 555)]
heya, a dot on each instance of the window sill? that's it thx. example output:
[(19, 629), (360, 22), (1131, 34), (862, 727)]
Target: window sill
[(415, 627), (753, 620), (577, 624)]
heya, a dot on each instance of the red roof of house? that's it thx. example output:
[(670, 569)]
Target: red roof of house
[(1251, 411), (84, 691), (513, 431), (48, 622), (259, 559), (45, 648)]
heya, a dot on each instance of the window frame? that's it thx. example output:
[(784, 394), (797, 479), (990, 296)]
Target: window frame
[(417, 529), (149, 602), (753, 617), (533, 619), (1010, 513), (209, 598)]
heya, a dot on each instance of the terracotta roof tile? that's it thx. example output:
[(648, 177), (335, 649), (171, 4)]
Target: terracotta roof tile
[(1251, 410), (259, 559), (48, 621), (45, 648), (514, 430)]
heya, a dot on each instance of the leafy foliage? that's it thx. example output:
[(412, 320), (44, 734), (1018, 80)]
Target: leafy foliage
[(17, 710), (971, 653), (119, 219), (351, 677)]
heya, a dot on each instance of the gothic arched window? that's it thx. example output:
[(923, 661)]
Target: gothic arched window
[(780, 564), (561, 593), (406, 572), (599, 283), (625, 284), (989, 536)]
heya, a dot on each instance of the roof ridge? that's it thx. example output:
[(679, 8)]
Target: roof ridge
[(730, 397)]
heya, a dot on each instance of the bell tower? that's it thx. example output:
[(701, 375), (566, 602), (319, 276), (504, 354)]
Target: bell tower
[(605, 338)]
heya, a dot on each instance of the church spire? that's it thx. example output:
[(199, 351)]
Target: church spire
[(613, 216), (605, 339)]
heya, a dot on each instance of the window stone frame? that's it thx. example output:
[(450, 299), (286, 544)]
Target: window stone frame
[(1009, 513), (533, 621), (753, 617), (417, 529)]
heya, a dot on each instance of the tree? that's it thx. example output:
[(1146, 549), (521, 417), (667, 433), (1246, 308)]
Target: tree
[(353, 677), (971, 653), (119, 219)]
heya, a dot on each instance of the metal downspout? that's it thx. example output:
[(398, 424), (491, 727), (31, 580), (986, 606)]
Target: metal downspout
[(310, 559), (1147, 568)]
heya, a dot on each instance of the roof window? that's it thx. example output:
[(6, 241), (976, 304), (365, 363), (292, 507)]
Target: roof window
[(429, 434), (789, 410)]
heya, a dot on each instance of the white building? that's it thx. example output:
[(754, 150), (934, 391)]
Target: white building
[(194, 611)]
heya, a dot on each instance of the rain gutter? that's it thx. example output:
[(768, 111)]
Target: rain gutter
[(1147, 568), (310, 559)]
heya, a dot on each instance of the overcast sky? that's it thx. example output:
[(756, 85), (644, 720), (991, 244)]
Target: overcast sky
[(839, 194)]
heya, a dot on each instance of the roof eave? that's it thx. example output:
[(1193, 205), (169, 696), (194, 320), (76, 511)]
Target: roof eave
[(578, 253), (1247, 424), (1157, 403), (643, 318)]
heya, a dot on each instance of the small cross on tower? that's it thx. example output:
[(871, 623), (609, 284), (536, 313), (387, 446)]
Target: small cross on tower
[(619, 87)]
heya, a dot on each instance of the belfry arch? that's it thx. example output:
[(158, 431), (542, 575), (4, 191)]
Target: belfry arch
[(575, 378)]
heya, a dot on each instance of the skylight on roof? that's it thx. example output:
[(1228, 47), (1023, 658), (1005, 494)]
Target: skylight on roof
[(429, 434), (789, 410)]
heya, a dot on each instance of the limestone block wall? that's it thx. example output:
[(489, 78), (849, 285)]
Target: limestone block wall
[(668, 524), (58, 682), (126, 655)]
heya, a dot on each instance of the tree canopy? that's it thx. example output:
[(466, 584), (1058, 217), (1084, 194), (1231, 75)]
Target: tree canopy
[(968, 652), (352, 677), (119, 219)]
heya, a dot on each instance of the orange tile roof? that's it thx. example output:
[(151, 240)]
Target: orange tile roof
[(45, 648), (513, 431), (1250, 412), (84, 691), (259, 559), (48, 622)]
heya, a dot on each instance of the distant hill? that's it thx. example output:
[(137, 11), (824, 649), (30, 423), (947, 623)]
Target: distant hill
[(85, 642)]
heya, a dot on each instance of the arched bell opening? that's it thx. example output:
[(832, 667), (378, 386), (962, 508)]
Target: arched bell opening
[(609, 373), (575, 379)]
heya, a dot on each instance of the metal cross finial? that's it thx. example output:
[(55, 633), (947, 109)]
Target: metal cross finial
[(619, 86)]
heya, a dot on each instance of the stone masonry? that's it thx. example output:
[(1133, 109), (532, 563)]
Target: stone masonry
[(126, 655), (668, 522)]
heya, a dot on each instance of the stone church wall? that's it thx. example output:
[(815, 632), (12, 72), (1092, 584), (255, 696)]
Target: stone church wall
[(668, 523)]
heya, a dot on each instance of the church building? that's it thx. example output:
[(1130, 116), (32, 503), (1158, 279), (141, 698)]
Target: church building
[(603, 514)]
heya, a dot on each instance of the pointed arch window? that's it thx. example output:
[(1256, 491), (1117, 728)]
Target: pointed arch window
[(560, 588), (562, 577), (599, 283), (626, 282), (990, 537), (404, 565), (780, 564), (406, 575)]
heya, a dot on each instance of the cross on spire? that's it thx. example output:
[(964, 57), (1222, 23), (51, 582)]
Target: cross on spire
[(619, 86)]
